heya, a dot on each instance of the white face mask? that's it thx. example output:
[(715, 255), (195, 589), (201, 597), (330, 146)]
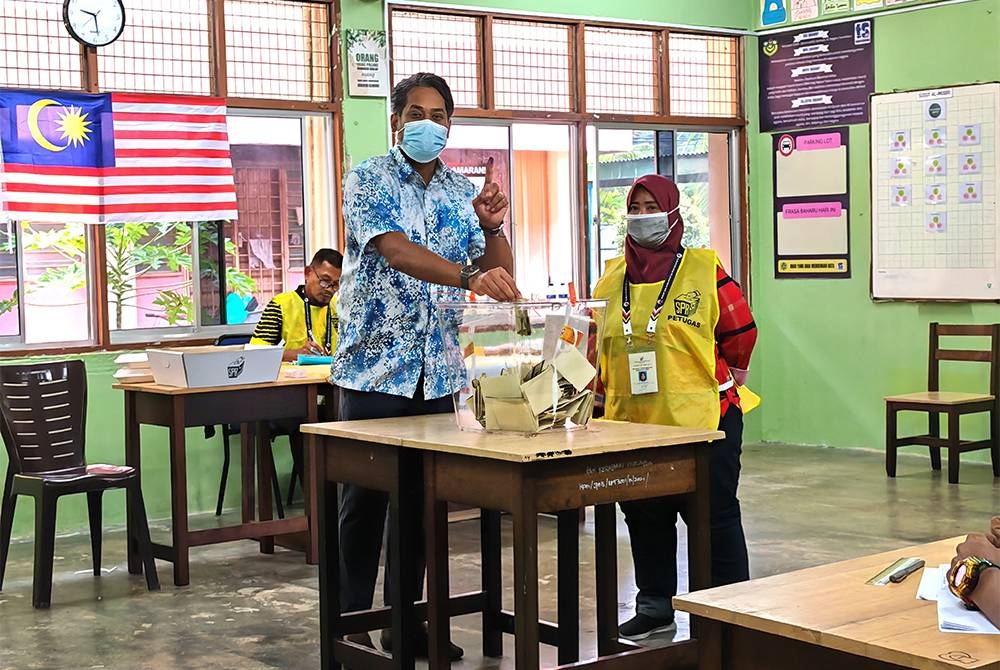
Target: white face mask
[(650, 230)]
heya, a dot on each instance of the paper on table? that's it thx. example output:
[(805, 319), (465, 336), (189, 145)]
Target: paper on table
[(954, 617), (575, 368), (930, 584)]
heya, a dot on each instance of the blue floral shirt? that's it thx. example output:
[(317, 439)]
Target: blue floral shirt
[(389, 331)]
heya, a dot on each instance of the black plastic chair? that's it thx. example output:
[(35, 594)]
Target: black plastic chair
[(229, 430), (43, 417)]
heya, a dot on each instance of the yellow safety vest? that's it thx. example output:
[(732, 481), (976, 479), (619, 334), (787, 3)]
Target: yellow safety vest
[(688, 392), (293, 321)]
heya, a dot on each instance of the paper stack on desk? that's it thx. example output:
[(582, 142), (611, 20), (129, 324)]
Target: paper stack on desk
[(536, 397), (953, 616), (133, 369)]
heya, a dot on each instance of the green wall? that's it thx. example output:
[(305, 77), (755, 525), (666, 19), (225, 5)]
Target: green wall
[(827, 353)]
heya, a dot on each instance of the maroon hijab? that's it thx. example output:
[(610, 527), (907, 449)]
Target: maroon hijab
[(647, 266)]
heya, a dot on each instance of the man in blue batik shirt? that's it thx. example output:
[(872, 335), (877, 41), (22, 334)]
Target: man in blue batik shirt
[(418, 233)]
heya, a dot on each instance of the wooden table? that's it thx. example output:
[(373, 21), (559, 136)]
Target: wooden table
[(827, 617), (178, 408), (552, 472)]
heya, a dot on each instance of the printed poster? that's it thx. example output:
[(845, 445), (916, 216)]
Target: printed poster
[(863, 5), (836, 6), (805, 10), (816, 77), (773, 12), (367, 63), (811, 205)]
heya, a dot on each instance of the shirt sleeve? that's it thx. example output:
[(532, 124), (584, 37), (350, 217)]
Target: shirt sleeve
[(268, 330), (370, 207), (477, 239), (736, 332)]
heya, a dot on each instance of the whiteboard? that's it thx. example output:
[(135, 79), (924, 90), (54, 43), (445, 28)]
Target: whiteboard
[(935, 222)]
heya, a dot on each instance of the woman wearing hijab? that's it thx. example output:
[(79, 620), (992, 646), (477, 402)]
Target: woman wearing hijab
[(676, 350)]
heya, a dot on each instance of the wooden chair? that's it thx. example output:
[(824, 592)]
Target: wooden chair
[(935, 402), (43, 419)]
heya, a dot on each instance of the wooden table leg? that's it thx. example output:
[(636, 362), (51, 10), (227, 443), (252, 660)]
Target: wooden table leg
[(568, 583), (606, 576), (328, 514), (178, 494), (265, 473), (699, 524), (489, 543), (133, 459), (526, 580), (313, 475), (404, 504), (438, 589), (248, 503)]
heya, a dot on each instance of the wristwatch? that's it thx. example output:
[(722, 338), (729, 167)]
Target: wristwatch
[(466, 275), (964, 577), (494, 232)]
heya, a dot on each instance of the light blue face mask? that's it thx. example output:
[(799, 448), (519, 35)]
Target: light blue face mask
[(423, 140)]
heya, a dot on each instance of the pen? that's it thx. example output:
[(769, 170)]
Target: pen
[(906, 571)]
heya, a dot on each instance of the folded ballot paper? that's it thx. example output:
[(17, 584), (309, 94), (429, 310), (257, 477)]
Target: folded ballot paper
[(953, 616), (531, 398)]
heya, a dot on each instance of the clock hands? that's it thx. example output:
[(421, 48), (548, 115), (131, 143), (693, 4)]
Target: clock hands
[(93, 15)]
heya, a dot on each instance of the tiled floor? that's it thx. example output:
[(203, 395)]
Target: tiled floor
[(802, 506)]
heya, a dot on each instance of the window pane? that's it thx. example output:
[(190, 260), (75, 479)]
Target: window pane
[(238, 287), (149, 275), (55, 282), (703, 76), (37, 50), (164, 49), (269, 236), (622, 71), (9, 308), (445, 45), (278, 49), (531, 65), (703, 178)]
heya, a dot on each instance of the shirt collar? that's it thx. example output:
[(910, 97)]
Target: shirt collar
[(406, 171), (301, 290)]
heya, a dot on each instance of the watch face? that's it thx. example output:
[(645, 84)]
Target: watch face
[(959, 575), (95, 23)]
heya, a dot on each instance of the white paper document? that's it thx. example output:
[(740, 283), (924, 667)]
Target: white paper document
[(953, 616)]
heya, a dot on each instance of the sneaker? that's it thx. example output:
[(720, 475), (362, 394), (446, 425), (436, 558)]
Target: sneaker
[(421, 646), (642, 626), (364, 639)]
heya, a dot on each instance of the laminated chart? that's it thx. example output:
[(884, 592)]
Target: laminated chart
[(935, 224)]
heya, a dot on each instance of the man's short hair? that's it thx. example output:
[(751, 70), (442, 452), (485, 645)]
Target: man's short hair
[(331, 256), (401, 91)]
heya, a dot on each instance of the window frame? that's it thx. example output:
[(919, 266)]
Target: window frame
[(101, 337), (663, 119)]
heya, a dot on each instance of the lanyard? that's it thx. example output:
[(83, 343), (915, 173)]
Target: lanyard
[(309, 324), (657, 308)]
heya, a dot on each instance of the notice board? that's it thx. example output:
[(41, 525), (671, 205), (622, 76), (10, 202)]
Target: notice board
[(935, 222)]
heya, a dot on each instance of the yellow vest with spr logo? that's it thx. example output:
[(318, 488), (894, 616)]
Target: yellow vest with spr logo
[(293, 321), (684, 343)]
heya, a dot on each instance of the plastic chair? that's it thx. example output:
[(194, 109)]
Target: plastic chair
[(231, 430), (936, 402), (43, 416)]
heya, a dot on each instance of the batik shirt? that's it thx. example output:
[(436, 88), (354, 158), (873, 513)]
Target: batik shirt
[(389, 333)]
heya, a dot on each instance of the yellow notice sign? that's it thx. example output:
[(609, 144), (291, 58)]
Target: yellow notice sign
[(813, 265)]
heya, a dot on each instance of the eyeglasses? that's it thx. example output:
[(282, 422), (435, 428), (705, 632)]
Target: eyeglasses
[(335, 285)]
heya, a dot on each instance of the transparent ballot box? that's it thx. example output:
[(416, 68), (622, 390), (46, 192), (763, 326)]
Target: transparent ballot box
[(526, 367)]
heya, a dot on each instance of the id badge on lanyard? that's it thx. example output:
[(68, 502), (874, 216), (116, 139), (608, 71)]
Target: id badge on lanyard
[(642, 356)]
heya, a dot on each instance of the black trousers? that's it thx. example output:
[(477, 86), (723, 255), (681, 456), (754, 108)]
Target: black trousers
[(652, 529), (363, 511)]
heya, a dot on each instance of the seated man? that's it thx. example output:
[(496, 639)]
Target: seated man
[(975, 572), (305, 319)]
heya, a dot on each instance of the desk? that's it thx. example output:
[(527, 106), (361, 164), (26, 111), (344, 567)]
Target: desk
[(178, 408), (552, 472), (827, 617)]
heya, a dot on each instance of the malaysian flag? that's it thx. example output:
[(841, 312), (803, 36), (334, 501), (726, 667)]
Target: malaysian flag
[(114, 157)]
